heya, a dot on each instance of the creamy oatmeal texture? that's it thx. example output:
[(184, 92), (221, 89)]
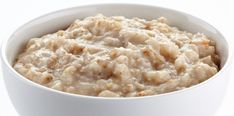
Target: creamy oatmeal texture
[(119, 57)]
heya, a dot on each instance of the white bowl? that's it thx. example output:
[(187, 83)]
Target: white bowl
[(31, 99)]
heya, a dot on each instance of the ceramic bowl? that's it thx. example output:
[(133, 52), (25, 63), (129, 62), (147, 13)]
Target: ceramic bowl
[(31, 99)]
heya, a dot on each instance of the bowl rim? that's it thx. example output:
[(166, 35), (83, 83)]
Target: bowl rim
[(34, 84)]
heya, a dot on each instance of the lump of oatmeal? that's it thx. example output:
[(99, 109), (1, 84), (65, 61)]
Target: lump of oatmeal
[(118, 57)]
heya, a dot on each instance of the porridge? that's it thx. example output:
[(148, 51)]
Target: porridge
[(118, 57)]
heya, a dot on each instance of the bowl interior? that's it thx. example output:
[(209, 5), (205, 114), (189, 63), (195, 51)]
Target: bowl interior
[(61, 19)]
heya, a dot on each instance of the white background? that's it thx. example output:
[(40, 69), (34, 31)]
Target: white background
[(219, 13)]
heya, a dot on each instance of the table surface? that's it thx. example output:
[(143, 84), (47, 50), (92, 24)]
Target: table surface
[(17, 12)]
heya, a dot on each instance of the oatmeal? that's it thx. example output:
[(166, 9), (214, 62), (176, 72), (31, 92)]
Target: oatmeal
[(119, 57)]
